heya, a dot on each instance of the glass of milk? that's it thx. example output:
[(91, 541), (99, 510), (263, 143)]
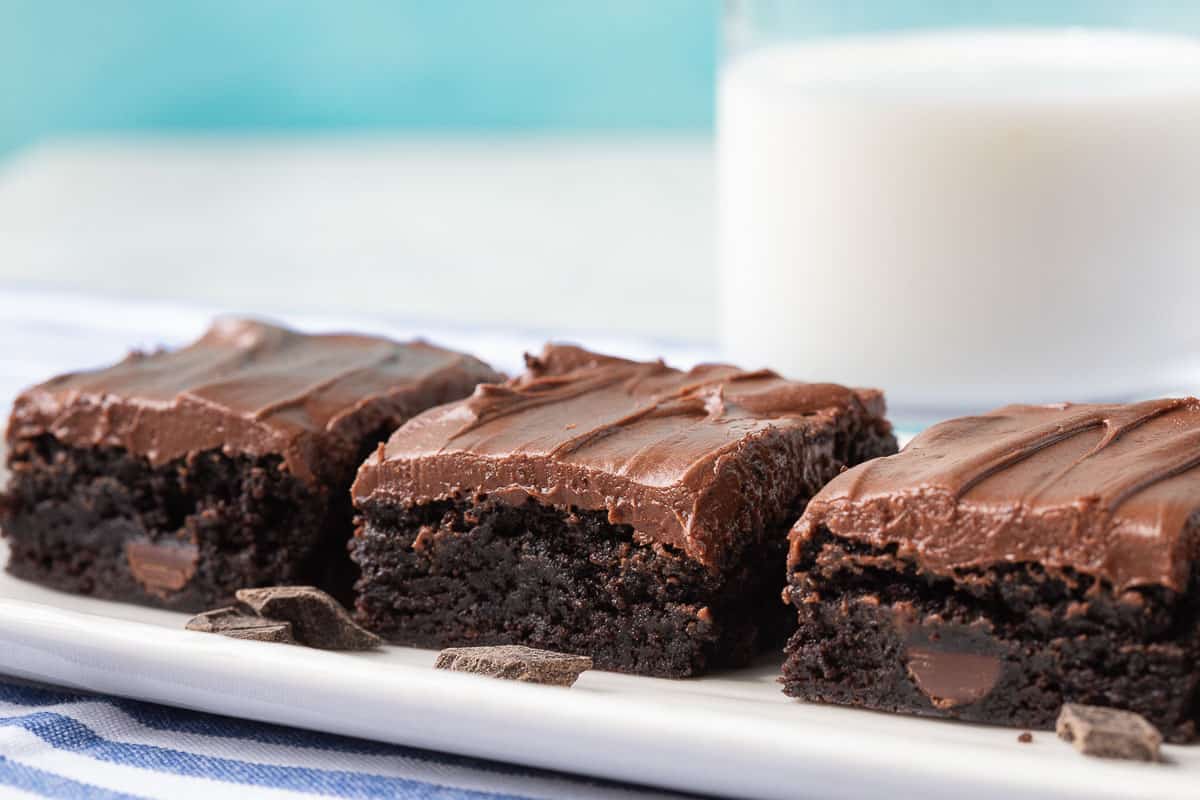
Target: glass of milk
[(965, 204)]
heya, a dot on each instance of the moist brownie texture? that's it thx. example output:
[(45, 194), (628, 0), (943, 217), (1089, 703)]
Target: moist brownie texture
[(1005, 564), (621, 510), (176, 478)]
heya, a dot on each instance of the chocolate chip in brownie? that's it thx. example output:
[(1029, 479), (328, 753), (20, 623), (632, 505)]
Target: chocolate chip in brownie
[(161, 569), (516, 663), (1109, 732), (233, 623), (317, 619)]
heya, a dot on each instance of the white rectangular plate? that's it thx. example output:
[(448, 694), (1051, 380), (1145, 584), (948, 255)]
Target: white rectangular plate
[(732, 734)]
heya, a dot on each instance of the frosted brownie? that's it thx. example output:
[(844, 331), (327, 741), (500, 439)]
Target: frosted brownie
[(176, 478), (621, 510), (1005, 564)]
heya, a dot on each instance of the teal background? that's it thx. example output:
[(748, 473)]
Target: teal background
[(74, 66), (70, 66)]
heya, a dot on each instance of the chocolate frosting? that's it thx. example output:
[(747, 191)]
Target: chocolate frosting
[(683, 457), (250, 388), (1112, 491)]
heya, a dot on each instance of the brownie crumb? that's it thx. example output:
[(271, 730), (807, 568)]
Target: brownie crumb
[(233, 623), (1109, 733), (317, 619), (516, 663), (1025, 738)]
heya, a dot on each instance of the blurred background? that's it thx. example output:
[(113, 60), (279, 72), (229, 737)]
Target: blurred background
[(363, 65), (477, 162), (547, 167)]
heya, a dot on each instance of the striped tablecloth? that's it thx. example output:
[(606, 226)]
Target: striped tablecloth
[(59, 743)]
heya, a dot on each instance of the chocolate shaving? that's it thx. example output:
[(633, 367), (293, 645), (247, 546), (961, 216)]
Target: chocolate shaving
[(516, 663), (233, 623), (1109, 732), (317, 619)]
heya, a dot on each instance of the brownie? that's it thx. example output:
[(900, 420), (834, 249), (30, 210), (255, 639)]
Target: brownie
[(1005, 564), (175, 478), (595, 506)]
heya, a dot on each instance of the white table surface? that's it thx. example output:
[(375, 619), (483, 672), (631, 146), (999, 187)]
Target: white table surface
[(569, 235)]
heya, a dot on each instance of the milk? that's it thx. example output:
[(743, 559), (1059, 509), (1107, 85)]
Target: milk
[(965, 219)]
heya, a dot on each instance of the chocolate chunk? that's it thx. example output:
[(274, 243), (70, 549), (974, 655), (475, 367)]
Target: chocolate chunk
[(516, 663), (1025, 738), (952, 679), (952, 664), (233, 623), (1109, 733), (161, 569), (317, 619)]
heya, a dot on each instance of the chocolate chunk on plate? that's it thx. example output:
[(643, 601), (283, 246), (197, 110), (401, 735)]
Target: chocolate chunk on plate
[(516, 663), (317, 619), (1109, 732), (237, 625)]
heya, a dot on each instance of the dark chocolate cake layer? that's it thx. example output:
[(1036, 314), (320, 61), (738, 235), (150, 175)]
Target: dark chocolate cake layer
[(622, 510), (1004, 564), (174, 478)]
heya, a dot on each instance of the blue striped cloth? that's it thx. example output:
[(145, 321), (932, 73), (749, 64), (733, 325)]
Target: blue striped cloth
[(59, 743)]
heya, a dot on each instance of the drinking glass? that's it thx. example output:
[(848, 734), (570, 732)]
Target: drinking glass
[(965, 204)]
